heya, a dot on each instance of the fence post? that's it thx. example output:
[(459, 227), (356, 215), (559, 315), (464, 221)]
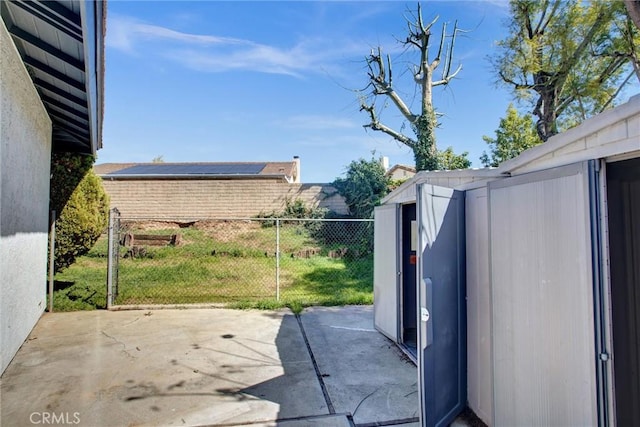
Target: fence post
[(111, 261), (277, 259), (52, 255)]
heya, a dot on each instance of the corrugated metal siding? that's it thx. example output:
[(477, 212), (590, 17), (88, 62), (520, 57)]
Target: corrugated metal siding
[(385, 270), (479, 377), (544, 361)]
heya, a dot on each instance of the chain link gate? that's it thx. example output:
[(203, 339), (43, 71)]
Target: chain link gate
[(251, 260)]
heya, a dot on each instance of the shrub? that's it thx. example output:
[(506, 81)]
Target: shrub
[(83, 215), (67, 170), (363, 187), (296, 209)]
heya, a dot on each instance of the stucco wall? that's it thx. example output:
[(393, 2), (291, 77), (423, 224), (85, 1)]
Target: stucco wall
[(25, 151), (191, 198)]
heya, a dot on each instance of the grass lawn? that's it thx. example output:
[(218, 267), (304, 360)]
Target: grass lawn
[(223, 263)]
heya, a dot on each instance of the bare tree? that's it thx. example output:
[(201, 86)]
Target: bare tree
[(424, 122)]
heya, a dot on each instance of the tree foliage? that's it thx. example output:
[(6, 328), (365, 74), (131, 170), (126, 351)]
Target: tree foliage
[(67, 170), (553, 59), (515, 134), (449, 160), (363, 187), (423, 123), (82, 205), (623, 40)]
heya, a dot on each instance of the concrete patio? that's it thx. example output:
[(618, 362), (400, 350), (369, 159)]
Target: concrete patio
[(327, 367)]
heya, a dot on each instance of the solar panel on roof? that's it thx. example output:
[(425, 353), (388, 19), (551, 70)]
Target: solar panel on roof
[(193, 169)]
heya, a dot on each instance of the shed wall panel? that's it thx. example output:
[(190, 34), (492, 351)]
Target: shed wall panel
[(479, 378), (542, 300), (633, 126)]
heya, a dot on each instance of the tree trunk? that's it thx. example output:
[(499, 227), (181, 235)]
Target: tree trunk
[(633, 8), (425, 151)]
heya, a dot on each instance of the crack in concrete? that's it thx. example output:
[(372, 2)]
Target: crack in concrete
[(363, 399), (124, 346)]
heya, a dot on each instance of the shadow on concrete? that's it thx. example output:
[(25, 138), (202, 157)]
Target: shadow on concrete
[(297, 391), (294, 388), (208, 367)]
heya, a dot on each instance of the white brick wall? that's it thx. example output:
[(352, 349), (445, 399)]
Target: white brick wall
[(193, 198)]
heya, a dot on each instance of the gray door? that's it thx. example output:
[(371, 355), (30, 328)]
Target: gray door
[(385, 270), (441, 305)]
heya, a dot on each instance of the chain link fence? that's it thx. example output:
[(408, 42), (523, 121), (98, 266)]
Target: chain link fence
[(252, 261)]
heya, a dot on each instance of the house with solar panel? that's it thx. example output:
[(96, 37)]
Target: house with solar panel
[(172, 191)]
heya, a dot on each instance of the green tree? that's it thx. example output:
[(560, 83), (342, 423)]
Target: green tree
[(515, 134), (82, 205), (548, 59), (363, 187), (623, 41), (424, 122), (448, 160)]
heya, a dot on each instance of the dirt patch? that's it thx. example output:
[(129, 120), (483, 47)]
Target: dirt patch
[(219, 230), (227, 230)]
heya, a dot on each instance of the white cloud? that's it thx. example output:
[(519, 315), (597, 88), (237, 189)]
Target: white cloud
[(210, 53), (125, 33)]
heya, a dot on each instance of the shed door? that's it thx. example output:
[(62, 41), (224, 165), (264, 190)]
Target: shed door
[(385, 270), (542, 298), (442, 310)]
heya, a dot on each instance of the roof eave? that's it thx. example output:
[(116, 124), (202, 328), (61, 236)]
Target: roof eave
[(93, 15), (586, 128)]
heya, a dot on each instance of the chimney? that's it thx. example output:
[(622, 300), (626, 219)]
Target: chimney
[(296, 173), (384, 161)]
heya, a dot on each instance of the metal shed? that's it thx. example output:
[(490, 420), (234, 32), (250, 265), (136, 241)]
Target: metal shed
[(516, 289)]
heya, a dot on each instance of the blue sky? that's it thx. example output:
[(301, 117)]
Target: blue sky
[(266, 81)]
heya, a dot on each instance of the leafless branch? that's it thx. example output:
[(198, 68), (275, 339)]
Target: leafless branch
[(617, 92), (376, 125), (516, 85), (446, 79), (382, 85)]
